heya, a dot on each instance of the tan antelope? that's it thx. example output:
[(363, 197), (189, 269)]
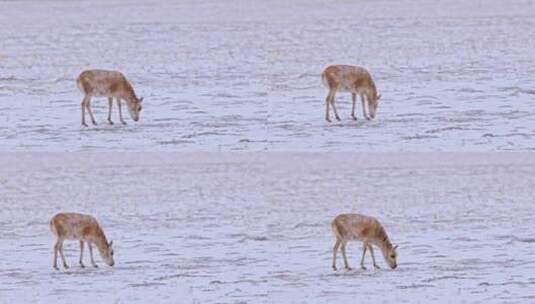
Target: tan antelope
[(85, 228), (367, 229), (101, 83), (354, 79)]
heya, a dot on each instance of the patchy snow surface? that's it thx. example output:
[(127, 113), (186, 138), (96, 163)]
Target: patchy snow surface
[(255, 228), (244, 75)]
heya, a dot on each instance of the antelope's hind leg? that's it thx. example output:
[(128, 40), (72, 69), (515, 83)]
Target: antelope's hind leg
[(327, 103), (56, 249), (335, 251), (333, 104), (83, 106), (62, 255), (88, 106)]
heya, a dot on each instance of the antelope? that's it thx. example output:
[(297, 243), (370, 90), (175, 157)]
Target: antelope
[(367, 229), (354, 79), (85, 228), (102, 83)]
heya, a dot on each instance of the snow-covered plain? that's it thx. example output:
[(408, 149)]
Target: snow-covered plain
[(223, 76), (254, 228), (244, 75)]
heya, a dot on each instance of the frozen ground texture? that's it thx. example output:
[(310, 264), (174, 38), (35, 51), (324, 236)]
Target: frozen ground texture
[(244, 75), (255, 228)]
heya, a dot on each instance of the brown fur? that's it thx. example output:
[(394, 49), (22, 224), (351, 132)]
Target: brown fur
[(354, 79), (367, 229), (111, 84), (85, 228)]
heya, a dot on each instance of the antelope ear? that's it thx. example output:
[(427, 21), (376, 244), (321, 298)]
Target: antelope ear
[(141, 99)]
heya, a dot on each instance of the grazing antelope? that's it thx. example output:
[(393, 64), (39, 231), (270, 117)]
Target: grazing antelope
[(109, 84), (354, 79), (366, 229), (85, 228)]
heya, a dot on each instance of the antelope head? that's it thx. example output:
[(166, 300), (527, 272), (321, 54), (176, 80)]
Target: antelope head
[(374, 103), (390, 255), (107, 254), (134, 107)]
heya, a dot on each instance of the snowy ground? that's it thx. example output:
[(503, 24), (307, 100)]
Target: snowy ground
[(254, 228), (244, 75), (246, 227)]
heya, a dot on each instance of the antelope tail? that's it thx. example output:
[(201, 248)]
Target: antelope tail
[(337, 229), (52, 227), (324, 80), (80, 85)]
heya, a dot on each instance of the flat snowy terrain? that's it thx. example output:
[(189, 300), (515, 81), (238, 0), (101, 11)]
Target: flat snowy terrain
[(245, 75), (255, 228), (212, 225)]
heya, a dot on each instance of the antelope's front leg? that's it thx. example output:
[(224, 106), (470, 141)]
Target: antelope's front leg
[(364, 247), (91, 254), (82, 254), (110, 106), (373, 258), (120, 111), (364, 107), (346, 264), (354, 98)]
